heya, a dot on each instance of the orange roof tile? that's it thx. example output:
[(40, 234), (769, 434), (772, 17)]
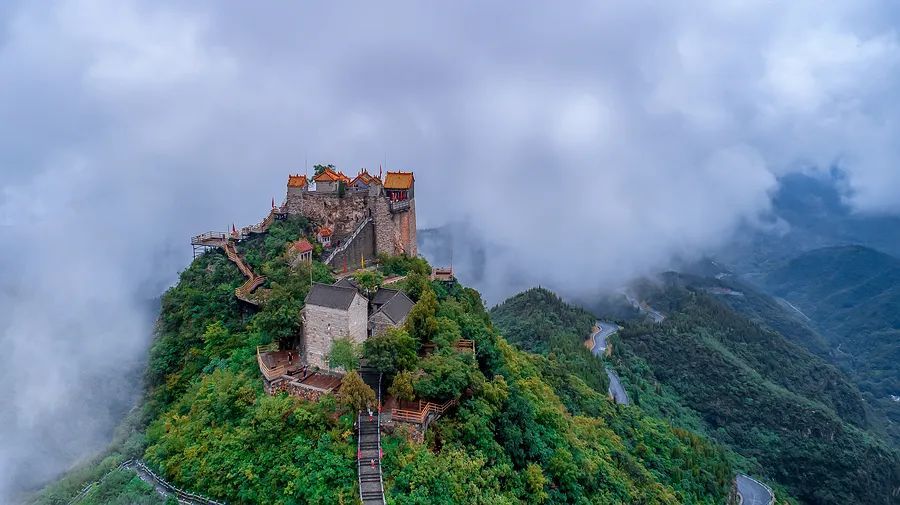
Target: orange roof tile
[(297, 181), (302, 246), (325, 231), (399, 180), (329, 175), (365, 177)]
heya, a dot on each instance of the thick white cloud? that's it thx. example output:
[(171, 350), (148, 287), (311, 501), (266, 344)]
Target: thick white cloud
[(586, 144)]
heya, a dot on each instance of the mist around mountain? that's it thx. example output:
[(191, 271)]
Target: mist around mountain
[(809, 211)]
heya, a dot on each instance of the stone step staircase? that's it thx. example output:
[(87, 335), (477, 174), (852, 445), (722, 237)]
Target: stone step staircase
[(368, 452), (346, 243)]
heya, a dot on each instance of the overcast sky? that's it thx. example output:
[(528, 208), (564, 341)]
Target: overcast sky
[(587, 141)]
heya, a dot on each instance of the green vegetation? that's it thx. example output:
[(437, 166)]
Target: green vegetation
[(771, 401), (391, 352), (525, 428), (355, 394), (852, 295), (123, 487), (344, 354), (369, 281), (538, 321)]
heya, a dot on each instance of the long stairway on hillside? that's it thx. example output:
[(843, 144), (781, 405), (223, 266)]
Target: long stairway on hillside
[(245, 291), (227, 242), (368, 453), (349, 240)]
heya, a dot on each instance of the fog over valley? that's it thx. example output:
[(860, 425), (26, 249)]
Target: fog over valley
[(560, 146)]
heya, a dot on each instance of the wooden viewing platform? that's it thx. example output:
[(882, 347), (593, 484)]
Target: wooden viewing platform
[(226, 241), (285, 368), (420, 413), (442, 274), (461, 345)]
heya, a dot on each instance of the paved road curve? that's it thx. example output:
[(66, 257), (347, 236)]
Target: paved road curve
[(753, 492), (644, 308), (615, 388), (605, 330)]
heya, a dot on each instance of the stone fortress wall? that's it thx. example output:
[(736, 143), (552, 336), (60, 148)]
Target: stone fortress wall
[(393, 233)]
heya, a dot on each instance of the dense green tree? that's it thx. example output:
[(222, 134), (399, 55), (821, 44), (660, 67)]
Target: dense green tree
[(391, 351), (445, 375), (403, 265), (318, 168), (402, 386), (415, 284), (369, 281), (421, 322), (354, 393), (344, 354)]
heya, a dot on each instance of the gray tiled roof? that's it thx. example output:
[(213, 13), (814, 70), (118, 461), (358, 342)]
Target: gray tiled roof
[(347, 282), (335, 297), (383, 295), (397, 308)]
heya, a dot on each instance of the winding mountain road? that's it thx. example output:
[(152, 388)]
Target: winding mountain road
[(615, 388), (753, 492), (645, 308), (604, 330)]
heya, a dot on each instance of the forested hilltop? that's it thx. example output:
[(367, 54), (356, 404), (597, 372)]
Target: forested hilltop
[(527, 428), (788, 414)]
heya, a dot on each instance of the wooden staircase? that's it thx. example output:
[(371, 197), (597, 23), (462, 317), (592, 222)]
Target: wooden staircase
[(244, 292)]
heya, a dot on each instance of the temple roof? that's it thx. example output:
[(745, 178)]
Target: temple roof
[(333, 297), (366, 178), (325, 231), (329, 175), (384, 295), (302, 246), (397, 307), (398, 180), (297, 181)]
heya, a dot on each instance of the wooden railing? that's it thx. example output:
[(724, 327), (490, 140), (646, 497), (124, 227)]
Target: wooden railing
[(461, 345), (232, 254), (146, 473), (210, 237), (420, 415), (269, 373), (466, 345), (399, 205), (244, 290)]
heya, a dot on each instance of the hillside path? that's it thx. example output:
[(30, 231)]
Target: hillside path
[(368, 453), (753, 492), (604, 330), (615, 387)]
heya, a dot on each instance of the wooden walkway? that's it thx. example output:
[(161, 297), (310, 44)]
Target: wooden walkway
[(368, 452), (226, 241)]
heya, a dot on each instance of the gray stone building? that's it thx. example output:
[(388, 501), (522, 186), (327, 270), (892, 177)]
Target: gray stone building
[(330, 313), (390, 308)]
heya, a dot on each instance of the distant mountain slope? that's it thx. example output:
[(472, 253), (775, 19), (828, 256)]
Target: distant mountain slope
[(852, 296), (809, 213), (711, 369), (768, 399)]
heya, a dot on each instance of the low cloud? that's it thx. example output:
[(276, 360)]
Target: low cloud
[(581, 146)]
